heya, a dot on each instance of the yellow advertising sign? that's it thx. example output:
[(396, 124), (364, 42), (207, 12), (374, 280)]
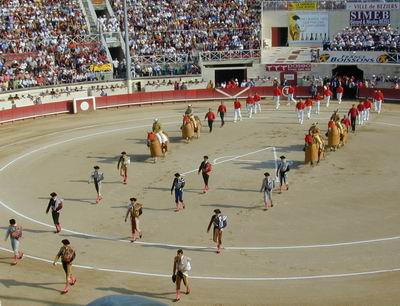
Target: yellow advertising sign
[(100, 67), (297, 6), (308, 26), (98, 2)]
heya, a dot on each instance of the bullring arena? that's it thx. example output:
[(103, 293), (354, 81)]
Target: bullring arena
[(331, 239), (82, 81)]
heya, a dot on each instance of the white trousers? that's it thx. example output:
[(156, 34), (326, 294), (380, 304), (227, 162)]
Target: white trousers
[(318, 107), (300, 115), (309, 109), (257, 107), (237, 114), (250, 109), (290, 98), (339, 97), (277, 101), (379, 106), (361, 118), (366, 114), (327, 100)]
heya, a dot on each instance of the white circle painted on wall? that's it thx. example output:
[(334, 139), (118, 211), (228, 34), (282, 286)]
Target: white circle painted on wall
[(84, 106)]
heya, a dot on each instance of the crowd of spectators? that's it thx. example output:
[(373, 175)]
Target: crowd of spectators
[(37, 45), (366, 38), (183, 27)]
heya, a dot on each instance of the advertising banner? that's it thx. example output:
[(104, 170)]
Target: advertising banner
[(373, 6), (288, 67), (369, 18), (298, 6), (100, 67), (357, 57), (308, 27)]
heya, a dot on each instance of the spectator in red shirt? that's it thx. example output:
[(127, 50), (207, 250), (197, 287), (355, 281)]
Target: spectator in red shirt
[(353, 113), (360, 108), (367, 108), (328, 95), (257, 103), (210, 116), (339, 93), (237, 106), (222, 111), (309, 105), (250, 105), (300, 110), (277, 96)]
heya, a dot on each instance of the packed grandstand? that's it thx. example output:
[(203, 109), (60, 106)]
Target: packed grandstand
[(51, 42)]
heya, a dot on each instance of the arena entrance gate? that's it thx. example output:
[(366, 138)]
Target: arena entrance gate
[(225, 75), (350, 71)]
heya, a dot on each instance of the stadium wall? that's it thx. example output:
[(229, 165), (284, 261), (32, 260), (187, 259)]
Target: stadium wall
[(138, 99)]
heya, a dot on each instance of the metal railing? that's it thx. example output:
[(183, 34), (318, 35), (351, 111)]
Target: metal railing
[(218, 56), (163, 59)]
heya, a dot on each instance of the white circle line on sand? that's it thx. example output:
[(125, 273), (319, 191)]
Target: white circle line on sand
[(284, 278), (88, 127), (185, 173)]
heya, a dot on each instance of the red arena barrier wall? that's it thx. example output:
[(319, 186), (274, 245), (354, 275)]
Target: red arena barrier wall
[(388, 93), (139, 98), (34, 111)]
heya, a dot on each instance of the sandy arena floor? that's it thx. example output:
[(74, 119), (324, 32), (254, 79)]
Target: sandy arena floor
[(332, 239)]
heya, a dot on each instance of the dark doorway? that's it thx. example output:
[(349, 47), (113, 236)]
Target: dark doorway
[(279, 37), (226, 75), (349, 71)]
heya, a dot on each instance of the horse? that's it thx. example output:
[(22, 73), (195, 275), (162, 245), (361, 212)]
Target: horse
[(334, 137), (157, 148), (189, 128)]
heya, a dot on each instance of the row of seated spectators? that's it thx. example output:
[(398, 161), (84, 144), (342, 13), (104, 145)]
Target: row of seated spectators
[(182, 26), (366, 38), (37, 46)]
